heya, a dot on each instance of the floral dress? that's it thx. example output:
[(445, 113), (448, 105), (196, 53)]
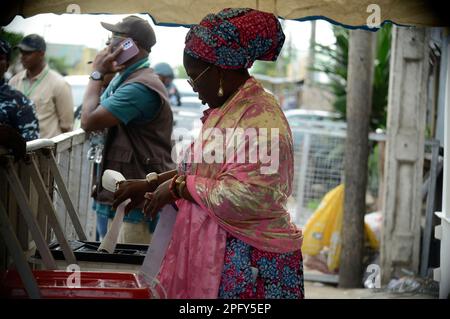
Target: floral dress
[(252, 273)]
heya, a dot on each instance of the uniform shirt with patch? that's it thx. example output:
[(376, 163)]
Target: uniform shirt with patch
[(17, 111)]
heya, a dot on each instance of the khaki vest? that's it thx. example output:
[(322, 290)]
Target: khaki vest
[(138, 149)]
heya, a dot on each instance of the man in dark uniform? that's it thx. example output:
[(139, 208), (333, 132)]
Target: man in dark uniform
[(16, 110)]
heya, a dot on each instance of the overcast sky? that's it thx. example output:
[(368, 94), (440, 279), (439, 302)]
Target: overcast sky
[(86, 30)]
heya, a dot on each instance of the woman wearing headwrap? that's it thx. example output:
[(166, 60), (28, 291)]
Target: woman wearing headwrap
[(233, 237)]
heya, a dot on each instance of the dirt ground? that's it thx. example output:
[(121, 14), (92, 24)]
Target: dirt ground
[(315, 290)]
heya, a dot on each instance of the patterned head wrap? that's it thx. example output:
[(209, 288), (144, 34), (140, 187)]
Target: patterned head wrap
[(234, 38)]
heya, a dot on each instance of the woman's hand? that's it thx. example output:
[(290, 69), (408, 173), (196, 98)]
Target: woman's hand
[(157, 199), (134, 190)]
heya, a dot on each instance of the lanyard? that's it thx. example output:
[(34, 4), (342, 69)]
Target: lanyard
[(143, 64), (118, 79), (28, 91)]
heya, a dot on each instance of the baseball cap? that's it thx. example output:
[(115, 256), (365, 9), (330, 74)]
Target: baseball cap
[(163, 69), (136, 28), (32, 42)]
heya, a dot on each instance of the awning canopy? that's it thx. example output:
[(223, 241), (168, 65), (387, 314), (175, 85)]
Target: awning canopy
[(349, 13)]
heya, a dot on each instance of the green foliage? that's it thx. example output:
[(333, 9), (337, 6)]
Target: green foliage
[(381, 78), (373, 170), (333, 61), (13, 39), (180, 72), (313, 204)]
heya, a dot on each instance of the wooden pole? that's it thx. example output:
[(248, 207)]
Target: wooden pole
[(405, 142), (359, 104)]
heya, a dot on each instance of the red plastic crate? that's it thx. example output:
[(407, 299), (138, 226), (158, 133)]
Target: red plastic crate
[(93, 285)]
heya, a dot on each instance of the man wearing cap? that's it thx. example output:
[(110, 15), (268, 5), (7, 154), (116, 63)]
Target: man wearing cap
[(46, 88), (135, 110), (165, 73), (16, 110)]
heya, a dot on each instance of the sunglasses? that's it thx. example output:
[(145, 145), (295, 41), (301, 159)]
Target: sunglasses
[(192, 82), (115, 38)]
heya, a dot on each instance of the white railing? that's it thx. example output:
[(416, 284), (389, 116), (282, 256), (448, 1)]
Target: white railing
[(46, 195), (71, 156)]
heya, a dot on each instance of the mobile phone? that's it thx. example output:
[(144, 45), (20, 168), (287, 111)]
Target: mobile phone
[(129, 51)]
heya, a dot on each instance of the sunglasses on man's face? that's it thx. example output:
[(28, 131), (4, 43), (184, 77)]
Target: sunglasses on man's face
[(115, 39), (26, 52)]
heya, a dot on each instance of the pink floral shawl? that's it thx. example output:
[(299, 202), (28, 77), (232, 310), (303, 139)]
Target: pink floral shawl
[(232, 195)]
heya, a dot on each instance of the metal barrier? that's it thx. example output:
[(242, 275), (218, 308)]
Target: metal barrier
[(46, 196), (318, 164)]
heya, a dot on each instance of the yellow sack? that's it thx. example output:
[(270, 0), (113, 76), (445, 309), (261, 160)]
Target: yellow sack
[(323, 229), (370, 237), (318, 228)]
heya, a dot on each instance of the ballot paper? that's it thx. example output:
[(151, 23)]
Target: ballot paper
[(110, 241), (110, 179), (109, 182), (160, 242)]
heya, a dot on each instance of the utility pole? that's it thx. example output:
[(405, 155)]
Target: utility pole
[(359, 105), (310, 74)]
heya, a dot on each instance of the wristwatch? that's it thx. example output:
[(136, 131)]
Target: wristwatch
[(96, 76), (150, 177)]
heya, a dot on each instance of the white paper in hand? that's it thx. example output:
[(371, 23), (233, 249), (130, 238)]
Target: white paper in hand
[(110, 179), (160, 242), (110, 241)]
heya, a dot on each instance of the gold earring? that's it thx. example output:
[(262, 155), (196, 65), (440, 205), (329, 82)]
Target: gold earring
[(220, 92)]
